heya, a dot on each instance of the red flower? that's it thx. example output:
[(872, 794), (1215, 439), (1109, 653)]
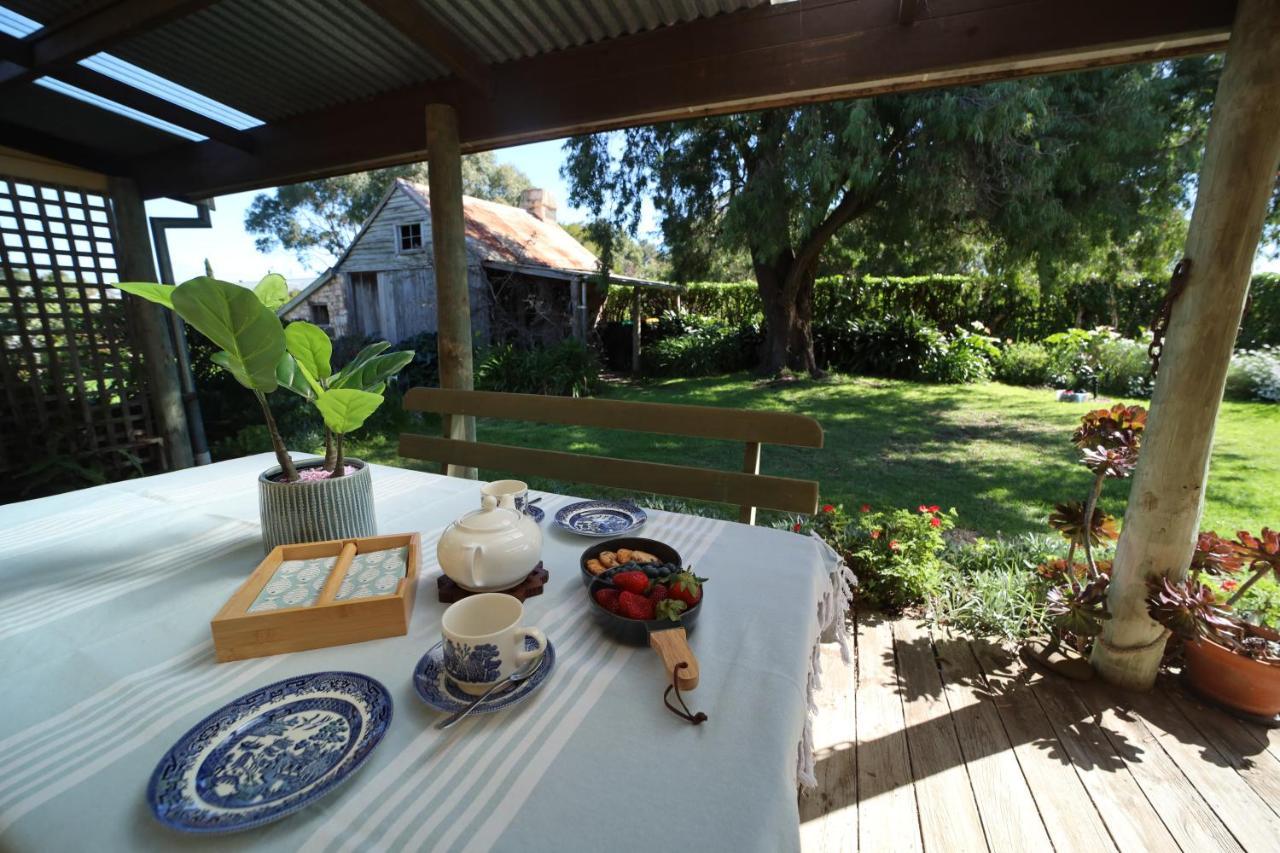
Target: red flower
[(796, 527), (935, 522), (1229, 585), (893, 545), (875, 534), (866, 507), (933, 508), (922, 508), (828, 508)]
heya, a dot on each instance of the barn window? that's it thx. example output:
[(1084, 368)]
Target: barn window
[(410, 237), (320, 315)]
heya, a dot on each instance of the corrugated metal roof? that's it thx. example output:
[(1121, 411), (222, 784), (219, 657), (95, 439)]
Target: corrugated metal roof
[(500, 232), (503, 30), (66, 118)]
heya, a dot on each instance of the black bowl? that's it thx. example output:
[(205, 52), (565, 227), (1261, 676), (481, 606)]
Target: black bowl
[(635, 632), (661, 550)]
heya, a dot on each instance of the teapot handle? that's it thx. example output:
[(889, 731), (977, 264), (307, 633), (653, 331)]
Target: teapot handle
[(474, 552)]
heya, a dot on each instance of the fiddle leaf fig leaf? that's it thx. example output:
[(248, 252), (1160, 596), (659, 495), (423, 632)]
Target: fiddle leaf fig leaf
[(232, 317), (224, 359), (359, 361), (161, 294), (289, 375), (374, 372), (311, 347), (272, 291), (346, 409)]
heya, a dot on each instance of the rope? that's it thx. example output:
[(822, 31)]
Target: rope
[(1133, 650), (683, 711)]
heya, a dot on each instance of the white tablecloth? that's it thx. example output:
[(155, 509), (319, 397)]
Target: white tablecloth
[(105, 601)]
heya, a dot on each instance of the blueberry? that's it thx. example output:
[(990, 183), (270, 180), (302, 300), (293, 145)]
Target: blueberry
[(650, 572)]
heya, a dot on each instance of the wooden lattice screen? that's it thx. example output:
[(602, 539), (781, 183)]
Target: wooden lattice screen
[(75, 407)]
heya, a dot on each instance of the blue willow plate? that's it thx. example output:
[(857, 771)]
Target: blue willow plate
[(534, 512), (436, 688), (270, 752), (601, 518)]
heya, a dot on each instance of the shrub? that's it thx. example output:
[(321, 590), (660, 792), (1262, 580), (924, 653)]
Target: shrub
[(424, 370), (1024, 364), (991, 586), (896, 554), (1123, 365), (702, 348), (968, 356), (567, 369), (1255, 374), (897, 347)]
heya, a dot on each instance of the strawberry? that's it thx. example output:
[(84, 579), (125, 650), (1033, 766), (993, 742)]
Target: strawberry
[(633, 606), (658, 593), (686, 587), (637, 582), (608, 599)]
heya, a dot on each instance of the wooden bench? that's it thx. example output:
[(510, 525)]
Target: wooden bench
[(748, 489)]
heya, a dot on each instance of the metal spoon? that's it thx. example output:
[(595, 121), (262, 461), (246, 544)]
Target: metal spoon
[(514, 678)]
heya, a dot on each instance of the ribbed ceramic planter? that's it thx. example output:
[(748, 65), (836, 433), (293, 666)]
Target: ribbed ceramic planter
[(316, 510)]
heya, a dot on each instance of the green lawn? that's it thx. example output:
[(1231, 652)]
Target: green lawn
[(1000, 455)]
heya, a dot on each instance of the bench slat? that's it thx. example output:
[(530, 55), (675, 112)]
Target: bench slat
[(662, 418), (780, 493)]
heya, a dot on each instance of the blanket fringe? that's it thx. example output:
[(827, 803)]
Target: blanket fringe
[(833, 611)]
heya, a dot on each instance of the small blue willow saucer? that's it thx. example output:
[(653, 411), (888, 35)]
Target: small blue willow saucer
[(601, 518), (436, 688), (534, 512), (270, 752)]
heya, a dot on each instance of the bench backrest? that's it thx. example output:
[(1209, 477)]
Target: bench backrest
[(748, 489)]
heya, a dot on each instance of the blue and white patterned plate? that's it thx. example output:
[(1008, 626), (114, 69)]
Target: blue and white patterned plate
[(534, 512), (601, 518), (436, 688), (270, 752)]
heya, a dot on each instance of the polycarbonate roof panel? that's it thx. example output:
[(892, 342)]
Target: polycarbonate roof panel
[(74, 121)]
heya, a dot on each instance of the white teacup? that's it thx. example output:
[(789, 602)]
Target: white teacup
[(512, 494), (484, 641)]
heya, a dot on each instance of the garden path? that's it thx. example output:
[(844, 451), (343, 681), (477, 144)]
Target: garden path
[(938, 743)]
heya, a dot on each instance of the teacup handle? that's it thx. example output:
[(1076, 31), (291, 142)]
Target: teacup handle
[(525, 655)]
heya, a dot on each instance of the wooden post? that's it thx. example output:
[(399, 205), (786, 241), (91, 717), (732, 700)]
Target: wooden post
[(449, 247), (1167, 497), (635, 331), (750, 465), (149, 323)]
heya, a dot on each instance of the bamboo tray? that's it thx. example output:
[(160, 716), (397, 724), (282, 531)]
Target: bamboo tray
[(240, 634)]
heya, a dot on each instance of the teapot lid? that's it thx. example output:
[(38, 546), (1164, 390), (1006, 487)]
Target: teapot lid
[(490, 516)]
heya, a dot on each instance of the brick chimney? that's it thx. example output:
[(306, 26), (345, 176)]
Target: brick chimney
[(540, 203)]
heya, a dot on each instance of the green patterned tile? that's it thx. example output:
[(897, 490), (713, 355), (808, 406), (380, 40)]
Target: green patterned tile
[(297, 583), (375, 573)]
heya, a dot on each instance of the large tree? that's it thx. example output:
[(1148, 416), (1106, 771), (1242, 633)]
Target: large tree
[(324, 216), (1048, 172)]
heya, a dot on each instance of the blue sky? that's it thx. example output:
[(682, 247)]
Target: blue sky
[(230, 248)]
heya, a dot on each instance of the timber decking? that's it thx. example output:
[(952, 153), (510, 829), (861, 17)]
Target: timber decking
[(938, 743)]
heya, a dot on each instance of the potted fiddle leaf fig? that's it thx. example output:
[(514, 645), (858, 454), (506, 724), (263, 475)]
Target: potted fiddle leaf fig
[(1227, 659), (329, 498)]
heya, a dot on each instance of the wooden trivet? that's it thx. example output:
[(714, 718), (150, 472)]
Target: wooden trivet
[(449, 592)]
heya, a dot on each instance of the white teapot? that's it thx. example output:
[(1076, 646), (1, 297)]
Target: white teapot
[(490, 548)]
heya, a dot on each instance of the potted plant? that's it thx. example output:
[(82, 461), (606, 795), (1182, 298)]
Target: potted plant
[(1227, 660), (329, 498)]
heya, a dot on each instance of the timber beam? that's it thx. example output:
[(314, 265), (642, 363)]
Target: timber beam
[(764, 57), (418, 25)]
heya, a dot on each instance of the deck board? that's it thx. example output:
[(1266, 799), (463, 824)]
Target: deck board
[(948, 812), (887, 817), (940, 743)]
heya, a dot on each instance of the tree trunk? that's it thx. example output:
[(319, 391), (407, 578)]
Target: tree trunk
[(1236, 181), (786, 292)]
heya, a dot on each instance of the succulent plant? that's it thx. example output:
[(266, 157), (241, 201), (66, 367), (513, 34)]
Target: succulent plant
[(1215, 555), (1189, 609), (1068, 519), (1079, 609), (1117, 462), (1119, 426)]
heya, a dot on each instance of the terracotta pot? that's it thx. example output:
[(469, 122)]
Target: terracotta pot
[(1248, 685)]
